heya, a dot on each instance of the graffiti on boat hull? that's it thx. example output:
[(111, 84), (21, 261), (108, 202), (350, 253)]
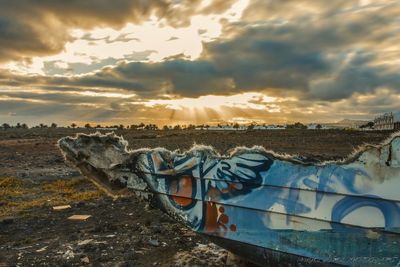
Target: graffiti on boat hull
[(264, 199)]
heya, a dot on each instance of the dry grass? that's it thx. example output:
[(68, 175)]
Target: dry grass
[(17, 195), (65, 186), (10, 182)]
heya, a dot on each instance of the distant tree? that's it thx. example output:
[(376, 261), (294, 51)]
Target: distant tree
[(165, 127), (73, 125), (141, 125), (18, 126), (42, 125), (319, 126), (297, 125), (98, 126), (121, 127), (150, 127), (206, 126), (24, 126), (6, 126), (369, 124), (177, 127), (53, 125), (250, 127), (88, 126), (236, 126), (190, 127)]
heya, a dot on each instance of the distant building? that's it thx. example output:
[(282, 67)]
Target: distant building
[(387, 121)]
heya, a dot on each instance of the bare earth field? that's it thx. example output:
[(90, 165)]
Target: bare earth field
[(123, 232)]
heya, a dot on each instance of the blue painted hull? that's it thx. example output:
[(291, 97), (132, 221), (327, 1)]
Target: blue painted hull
[(270, 209), (324, 214), (333, 244)]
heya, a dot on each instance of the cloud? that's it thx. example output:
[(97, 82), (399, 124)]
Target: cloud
[(266, 58), (40, 28), (358, 75), (328, 54)]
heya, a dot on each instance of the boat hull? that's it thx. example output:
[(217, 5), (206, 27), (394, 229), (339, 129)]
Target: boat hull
[(269, 208)]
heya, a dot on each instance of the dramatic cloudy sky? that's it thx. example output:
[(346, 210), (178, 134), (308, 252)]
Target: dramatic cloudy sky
[(198, 61)]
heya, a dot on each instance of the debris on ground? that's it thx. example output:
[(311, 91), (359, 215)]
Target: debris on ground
[(79, 217), (62, 207)]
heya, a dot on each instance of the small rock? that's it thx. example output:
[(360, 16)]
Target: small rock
[(85, 260), (69, 254), (42, 249), (84, 242), (154, 242)]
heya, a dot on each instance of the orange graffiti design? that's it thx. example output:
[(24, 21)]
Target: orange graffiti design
[(214, 223), (181, 191)]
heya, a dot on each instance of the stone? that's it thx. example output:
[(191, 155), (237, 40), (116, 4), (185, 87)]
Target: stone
[(85, 260), (154, 242)]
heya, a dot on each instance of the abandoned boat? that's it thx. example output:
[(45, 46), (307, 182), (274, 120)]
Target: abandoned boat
[(271, 209)]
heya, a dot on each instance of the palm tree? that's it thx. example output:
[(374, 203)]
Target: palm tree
[(73, 125)]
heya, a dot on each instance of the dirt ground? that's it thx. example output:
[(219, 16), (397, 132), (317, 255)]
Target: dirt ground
[(125, 232)]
